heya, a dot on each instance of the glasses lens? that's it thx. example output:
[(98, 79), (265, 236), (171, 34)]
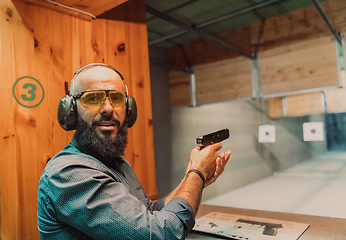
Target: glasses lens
[(93, 99), (117, 98)]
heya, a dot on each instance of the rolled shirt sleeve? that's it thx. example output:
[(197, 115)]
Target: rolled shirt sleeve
[(80, 198)]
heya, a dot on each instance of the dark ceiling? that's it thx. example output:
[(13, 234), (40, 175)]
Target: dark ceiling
[(175, 22)]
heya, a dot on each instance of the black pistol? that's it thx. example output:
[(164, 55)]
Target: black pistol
[(211, 138)]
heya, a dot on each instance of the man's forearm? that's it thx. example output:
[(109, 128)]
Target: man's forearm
[(203, 169), (174, 192), (189, 189)]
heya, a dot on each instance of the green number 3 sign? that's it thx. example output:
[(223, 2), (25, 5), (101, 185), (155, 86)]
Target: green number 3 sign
[(30, 96), (28, 92)]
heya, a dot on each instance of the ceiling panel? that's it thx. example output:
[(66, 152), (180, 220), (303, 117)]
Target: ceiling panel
[(196, 12)]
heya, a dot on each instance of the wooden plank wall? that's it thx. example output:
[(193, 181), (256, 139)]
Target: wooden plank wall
[(276, 107), (298, 66), (215, 82), (223, 80), (305, 104), (296, 52), (318, 102), (50, 46), (335, 100), (302, 24), (179, 88), (296, 26), (303, 65), (203, 51)]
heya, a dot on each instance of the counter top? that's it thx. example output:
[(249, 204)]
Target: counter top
[(321, 228)]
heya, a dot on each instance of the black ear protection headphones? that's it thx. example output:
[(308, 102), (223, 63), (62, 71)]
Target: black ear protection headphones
[(67, 110)]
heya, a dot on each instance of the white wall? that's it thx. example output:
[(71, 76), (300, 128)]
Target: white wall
[(250, 160)]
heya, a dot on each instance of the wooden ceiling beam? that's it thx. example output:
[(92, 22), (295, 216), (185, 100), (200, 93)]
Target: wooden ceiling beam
[(84, 9)]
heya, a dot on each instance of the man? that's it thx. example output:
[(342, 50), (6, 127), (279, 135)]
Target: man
[(88, 190)]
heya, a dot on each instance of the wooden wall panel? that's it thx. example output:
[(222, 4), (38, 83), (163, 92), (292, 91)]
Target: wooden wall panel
[(224, 80), (336, 100), (215, 82), (309, 103), (305, 104), (25, 128), (276, 107), (297, 105), (50, 46), (300, 66), (302, 24), (139, 85), (179, 88), (204, 51), (9, 167), (296, 51)]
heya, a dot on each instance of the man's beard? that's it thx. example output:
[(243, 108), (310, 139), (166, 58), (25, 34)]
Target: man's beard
[(107, 150)]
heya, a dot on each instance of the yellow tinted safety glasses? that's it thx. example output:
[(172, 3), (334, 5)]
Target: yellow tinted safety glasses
[(96, 98)]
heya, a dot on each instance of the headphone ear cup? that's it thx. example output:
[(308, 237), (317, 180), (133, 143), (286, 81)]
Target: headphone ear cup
[(67, 113), (131, 111)]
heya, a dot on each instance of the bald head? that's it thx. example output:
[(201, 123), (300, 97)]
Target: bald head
[(97, 72)]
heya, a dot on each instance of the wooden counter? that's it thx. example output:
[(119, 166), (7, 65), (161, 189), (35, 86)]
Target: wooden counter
[(321, 228)]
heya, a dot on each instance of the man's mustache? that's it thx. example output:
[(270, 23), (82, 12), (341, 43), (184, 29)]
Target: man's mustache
[(105, 118)]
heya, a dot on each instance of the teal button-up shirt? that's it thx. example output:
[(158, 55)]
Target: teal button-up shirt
[(79, 197)]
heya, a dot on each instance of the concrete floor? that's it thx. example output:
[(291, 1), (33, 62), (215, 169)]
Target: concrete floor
[(314, 187)]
